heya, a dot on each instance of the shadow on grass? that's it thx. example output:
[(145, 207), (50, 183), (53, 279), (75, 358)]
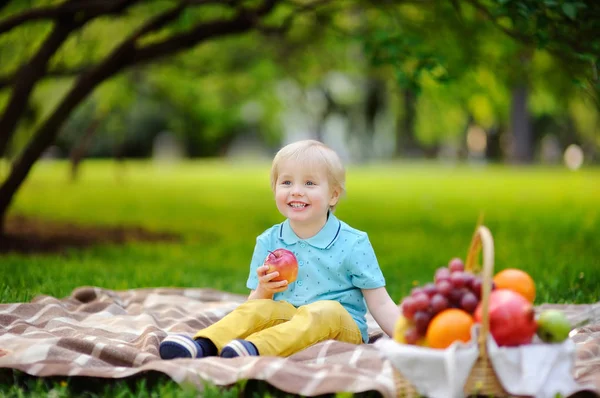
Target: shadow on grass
[(27, 235)]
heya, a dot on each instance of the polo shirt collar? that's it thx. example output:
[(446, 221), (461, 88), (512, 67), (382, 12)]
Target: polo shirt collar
[(322, 240)]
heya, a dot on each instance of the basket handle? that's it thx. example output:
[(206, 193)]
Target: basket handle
[(482, 240)]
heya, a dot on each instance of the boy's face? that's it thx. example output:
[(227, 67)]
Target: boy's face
[(304, 195)]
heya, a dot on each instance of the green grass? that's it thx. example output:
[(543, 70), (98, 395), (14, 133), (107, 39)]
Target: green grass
[(545, 221)]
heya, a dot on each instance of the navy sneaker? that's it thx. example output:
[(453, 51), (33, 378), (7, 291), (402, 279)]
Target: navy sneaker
[(239, 348), (180, 346)]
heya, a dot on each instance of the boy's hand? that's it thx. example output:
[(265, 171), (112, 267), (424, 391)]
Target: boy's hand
[(265, 283)]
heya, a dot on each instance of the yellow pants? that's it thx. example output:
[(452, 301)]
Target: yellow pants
[(278, 328)]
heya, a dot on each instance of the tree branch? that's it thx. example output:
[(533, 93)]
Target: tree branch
[(158, 22), (10, 79), (91, 8), (29, 74), (153, 25), (30, 16), (124, 55), (243, 21)]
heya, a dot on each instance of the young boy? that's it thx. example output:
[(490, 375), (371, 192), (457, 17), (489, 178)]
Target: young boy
[(338, 271)]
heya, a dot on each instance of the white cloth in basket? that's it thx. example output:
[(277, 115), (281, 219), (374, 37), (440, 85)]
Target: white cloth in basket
[(536, 370), (434, 373)]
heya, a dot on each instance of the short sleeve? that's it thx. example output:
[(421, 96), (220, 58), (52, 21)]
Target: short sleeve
[(364, 268), (258, 259)]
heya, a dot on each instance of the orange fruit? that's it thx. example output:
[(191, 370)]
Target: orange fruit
[(517, 281), (449, 326)]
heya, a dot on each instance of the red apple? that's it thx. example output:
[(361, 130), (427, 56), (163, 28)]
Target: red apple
[(511, 315), (284, 262)]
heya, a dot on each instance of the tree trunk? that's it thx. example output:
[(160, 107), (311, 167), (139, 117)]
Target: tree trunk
[(330, 106), (375, 101), (493, 149), (406, 142), (522, 144), (82, 147)]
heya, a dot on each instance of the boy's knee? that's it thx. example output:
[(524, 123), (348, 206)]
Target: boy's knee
[(329, 306), (329, 310), (327, 319)]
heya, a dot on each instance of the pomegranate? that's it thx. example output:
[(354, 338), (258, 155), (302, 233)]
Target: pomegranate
[(512, 319)]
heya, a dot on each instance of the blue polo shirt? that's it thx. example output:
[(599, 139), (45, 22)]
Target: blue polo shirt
[(335, 264)]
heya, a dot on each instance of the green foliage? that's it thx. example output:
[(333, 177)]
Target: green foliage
[(452, 53), (404, 41), (455, 55), (554, 24), (566, 28)]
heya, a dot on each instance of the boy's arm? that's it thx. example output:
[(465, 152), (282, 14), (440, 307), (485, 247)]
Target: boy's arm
[(383, 308)]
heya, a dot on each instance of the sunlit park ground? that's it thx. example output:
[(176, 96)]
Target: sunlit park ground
[(545, 220)]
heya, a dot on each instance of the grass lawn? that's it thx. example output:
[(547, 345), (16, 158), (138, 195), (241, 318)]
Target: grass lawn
[(545, 221)]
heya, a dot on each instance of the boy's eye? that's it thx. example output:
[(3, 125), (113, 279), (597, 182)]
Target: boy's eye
[(286, 182), (310, 183)]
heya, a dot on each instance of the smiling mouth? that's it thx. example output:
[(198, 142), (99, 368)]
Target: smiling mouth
[(297, 205)]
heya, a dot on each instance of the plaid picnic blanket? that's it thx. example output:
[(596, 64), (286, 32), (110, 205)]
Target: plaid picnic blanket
[(104, 333)]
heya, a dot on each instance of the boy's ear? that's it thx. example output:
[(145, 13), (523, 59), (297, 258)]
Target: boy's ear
[(335, 196)]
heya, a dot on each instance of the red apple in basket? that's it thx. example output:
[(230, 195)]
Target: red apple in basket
[(284, 262), (512, 319)]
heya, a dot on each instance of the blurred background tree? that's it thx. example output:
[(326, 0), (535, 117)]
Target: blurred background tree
[(483, 80)]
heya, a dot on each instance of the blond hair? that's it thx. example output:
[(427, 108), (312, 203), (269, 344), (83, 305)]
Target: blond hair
[(313, 154)]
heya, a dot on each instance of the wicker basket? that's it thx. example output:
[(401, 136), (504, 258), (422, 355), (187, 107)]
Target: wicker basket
[(482, 380)]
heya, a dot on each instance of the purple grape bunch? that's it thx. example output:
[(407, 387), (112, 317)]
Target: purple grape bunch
[(452, 287)]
